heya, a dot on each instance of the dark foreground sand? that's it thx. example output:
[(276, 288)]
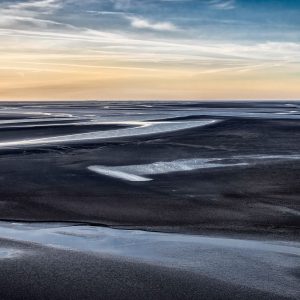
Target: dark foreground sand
[(62, 261), (60, 274)]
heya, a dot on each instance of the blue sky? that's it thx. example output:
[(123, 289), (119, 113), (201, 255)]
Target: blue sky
[(214, 19)]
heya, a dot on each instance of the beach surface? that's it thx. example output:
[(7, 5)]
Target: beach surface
[(150, 200)]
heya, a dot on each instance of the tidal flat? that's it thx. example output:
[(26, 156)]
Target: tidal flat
[(150, 200)]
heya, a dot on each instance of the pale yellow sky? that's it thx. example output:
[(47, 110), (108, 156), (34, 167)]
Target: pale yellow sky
[(43, 77)]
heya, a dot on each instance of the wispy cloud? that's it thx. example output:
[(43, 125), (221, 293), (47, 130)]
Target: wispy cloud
[(107, 12), (121, 4), (222, 4), (29, 13), (138, 22), (45, 5)]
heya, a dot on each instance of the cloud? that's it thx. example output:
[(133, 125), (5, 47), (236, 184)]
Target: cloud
[(123, 48), (141, 23), (40, 5), (22, 21), (222, 4), (107, 12), (30, 13), (121, 4)]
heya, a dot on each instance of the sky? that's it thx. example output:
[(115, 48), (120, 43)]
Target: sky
[(149, 49)]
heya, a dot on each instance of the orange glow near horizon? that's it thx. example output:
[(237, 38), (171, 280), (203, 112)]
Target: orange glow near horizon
[(46, 77)]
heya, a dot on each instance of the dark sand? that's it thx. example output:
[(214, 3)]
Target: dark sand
[(54, 183), (58, 274), (46, 183), (31, 271)]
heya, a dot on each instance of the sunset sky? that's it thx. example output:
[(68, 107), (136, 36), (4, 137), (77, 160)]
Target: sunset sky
[(149, 49)]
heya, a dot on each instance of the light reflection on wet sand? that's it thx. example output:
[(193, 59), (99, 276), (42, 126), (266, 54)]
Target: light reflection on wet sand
[(264, 265)]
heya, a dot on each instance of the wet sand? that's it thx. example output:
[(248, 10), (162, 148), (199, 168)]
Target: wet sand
[(235, 178), (59, 274), (59, 261), (54, 183)]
